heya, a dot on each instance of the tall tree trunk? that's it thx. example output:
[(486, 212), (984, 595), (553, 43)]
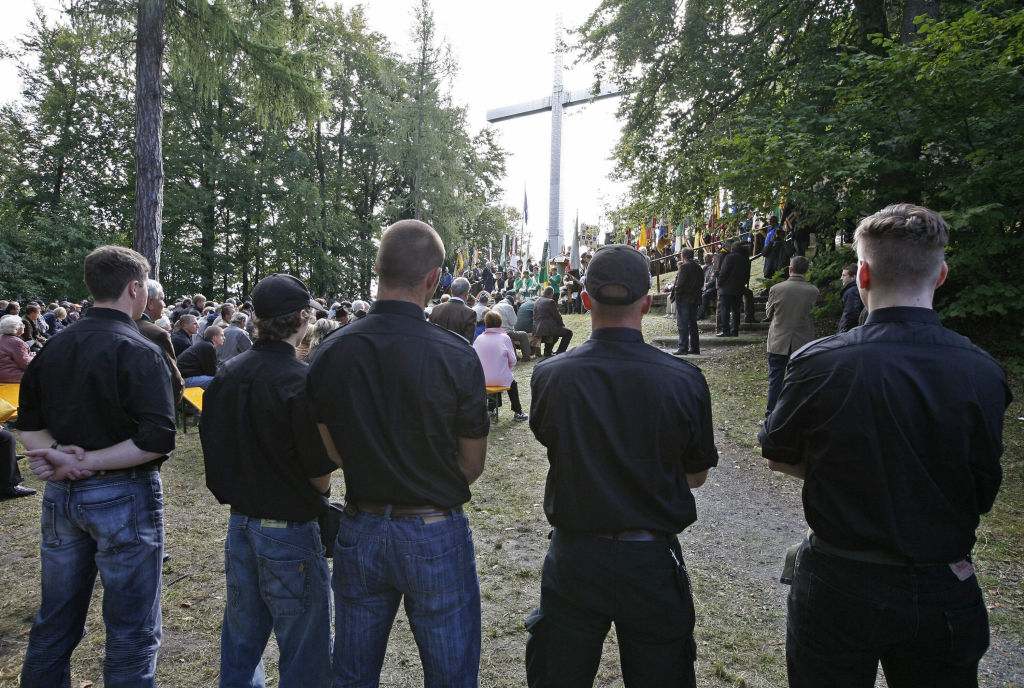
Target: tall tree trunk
[(870, 17), (149, 166), (911, 10)]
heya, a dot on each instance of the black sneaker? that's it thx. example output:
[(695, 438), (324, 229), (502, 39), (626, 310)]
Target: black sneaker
[(19, 491)]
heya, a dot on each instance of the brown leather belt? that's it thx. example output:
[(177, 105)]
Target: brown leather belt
[(402, 510), (634, 536)]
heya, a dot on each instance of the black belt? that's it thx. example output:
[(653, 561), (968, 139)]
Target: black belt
[(868, 556), (637, 535), (147, 467), (400, 510)]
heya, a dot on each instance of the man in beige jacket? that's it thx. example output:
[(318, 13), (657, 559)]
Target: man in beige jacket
[(789, 309)]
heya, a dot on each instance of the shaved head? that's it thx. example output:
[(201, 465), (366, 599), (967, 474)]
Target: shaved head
[(409, 250)]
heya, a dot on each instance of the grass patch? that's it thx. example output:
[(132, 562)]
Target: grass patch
[(738, 631)]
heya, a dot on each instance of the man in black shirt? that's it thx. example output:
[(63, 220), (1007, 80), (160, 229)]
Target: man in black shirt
[(416, 392), (184, 329), (616, 493), (896, 428), (198, 363), (97, 418), (264, 457)]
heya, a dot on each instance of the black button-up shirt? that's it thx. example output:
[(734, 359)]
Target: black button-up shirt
[(260, 443), (900, 422), (98, 384), (396, 393), (623, 424)]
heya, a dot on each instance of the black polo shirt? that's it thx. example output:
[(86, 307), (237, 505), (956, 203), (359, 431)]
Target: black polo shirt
[(396, 393), (623, 424), (260, 444), (900, 422), (98, 384), (198, 359)]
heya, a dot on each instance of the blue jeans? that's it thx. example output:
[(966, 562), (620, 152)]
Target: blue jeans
[(776, 373), (429, 561), (114, 525), (924, 625), (686, 323), (277, 578), (199, 381)]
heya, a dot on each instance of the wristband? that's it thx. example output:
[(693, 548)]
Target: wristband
[(54, 445)]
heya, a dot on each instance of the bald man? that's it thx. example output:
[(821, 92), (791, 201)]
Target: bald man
[(416, 393)]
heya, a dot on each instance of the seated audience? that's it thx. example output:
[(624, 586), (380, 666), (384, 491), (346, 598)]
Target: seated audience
[(547, 324), (498, 359), (185, 328), (506, 309), (10, 476), (33, 332), (236, 339), (198, 363), (14, 351)]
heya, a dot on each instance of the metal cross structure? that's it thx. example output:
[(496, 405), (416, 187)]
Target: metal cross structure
[(556, 103)]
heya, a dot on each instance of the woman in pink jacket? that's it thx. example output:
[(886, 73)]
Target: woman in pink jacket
[(14, 353), (498, 358)]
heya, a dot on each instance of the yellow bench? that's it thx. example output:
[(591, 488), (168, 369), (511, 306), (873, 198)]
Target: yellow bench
[(9, 392), (495, 394), (194, 397)]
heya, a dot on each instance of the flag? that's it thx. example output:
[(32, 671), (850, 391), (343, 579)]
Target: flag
[(526, 214), (476, 257), (503, 257), (542, 277), (574, 253), (458, 264), (489, 252), (641, 240), (663, 234)]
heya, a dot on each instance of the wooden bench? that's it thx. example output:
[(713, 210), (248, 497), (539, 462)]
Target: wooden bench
[(495, 394), (9, 392), (193, 396)]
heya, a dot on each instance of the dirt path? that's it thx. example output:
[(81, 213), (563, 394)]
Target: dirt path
[(748, 517)]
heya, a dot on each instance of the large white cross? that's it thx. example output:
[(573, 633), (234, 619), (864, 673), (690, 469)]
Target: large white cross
[(563, 99)]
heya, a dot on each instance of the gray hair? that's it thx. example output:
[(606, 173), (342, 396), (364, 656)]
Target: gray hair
[(153, 288), (239, 317), (163, 323), (10, 324), (460, 287)]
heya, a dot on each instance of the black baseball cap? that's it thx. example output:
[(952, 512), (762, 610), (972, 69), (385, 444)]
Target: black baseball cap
[(279, 294), (622, 266)]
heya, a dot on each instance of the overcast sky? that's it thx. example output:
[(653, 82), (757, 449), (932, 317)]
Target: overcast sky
[(505, 56)]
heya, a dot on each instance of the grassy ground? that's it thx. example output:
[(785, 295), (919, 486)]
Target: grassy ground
[(739, 623)]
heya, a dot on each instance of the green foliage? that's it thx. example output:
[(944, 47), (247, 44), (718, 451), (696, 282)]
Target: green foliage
[(837, 109), (293, 136)]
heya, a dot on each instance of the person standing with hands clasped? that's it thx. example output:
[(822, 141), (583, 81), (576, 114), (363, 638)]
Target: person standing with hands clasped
[(616, 493), (96, 416), (895, 427), (264, 457)]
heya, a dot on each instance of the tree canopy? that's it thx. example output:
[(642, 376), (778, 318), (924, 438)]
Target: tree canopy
[(300, 173), (837, 108)]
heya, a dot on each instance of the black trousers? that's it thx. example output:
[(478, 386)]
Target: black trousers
[(9, 473), (925, 626), (564, 335), (513, 399), (587, 583), (730, 305)]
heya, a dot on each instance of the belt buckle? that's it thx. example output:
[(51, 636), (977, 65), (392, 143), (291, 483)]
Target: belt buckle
[(269, 523)]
